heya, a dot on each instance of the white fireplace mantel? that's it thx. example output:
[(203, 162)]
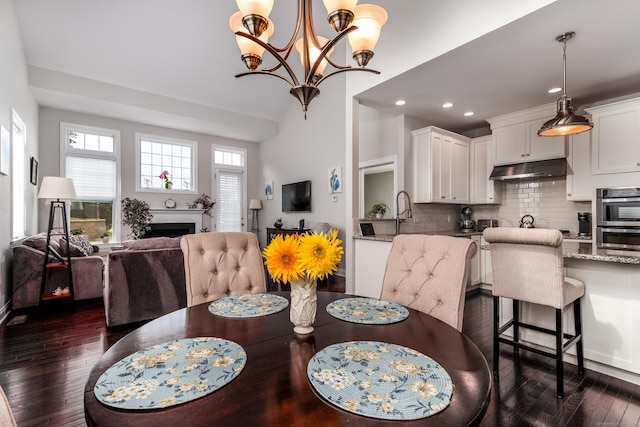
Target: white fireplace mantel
[(178, 215)]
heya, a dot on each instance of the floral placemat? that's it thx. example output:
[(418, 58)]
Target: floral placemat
[(248, 305), (380, 380), (367, 310), (170, 373)]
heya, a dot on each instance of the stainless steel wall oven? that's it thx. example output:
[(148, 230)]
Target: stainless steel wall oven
[(618, 218)]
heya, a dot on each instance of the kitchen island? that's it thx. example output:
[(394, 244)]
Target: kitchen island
[(610, 307)]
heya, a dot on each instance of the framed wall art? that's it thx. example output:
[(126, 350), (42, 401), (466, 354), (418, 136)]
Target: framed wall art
[(335, 179), (34, 171), (268, 189)]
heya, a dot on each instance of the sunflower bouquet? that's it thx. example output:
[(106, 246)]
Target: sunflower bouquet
[(303, 256)]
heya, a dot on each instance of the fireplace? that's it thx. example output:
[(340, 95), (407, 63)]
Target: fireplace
[(170, 229)]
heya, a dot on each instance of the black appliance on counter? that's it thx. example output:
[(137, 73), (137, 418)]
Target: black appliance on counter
[(486, 223), (584, 224), (618, 218)]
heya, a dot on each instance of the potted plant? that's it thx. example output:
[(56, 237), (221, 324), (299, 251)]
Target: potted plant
[(77, 231), (277, 223), (135, 214), (379, 210), (105, 237), (203, 202), (167, 183)]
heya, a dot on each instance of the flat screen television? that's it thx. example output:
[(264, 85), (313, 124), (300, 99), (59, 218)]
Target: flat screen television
[(296, 197)]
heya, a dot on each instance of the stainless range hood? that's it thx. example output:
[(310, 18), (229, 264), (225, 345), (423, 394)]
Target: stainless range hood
[(539, 169)]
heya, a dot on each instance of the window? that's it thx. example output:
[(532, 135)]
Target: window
[(155, 154), (18, 176), (230, 188), (91, 158)]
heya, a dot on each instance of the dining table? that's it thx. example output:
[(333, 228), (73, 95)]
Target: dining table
[(273, 387)]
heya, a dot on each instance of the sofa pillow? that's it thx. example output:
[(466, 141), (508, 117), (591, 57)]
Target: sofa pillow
[(78, 246), (153, 243), (39, 242)]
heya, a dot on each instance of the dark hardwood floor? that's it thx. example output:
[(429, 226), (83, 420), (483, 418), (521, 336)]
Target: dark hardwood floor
[(45, 361)]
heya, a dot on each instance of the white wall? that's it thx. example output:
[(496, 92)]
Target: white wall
[(307, 149), (14, 94), (50, 157)]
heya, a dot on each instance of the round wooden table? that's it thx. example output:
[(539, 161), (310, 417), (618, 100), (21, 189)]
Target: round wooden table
[(273, 389)]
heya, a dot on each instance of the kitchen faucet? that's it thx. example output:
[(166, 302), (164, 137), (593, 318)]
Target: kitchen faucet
[(398, 213)]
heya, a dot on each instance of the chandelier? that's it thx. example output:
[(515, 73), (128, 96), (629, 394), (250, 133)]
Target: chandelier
[(565, 122), (252, 27)]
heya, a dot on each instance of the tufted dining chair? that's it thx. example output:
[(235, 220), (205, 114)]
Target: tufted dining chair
[(429, 274), (528, 266), (6, 415), (222, 264)]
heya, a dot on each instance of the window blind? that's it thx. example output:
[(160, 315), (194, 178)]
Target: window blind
[(94, 179), (229, 193)]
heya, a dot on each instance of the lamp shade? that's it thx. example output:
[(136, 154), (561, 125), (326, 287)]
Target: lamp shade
[(247, 46), (56, 187), (565, 122), (255, 204), (369, 19)]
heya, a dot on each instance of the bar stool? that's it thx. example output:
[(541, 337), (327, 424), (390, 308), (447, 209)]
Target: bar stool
[(528, 267)]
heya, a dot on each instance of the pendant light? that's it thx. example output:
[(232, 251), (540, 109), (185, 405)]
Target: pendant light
[(565, 122)]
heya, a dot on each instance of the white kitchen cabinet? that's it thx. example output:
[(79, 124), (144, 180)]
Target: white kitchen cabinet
[(516, 137), (483, 190), (370, 264), (474, 273), (616, 137), (579, 177), (440, 166), (486, 270)]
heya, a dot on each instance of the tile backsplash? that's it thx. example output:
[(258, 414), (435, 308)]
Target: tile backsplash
[(544, 199)]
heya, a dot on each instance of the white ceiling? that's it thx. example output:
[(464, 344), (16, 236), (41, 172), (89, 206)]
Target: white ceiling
[(173, 63)]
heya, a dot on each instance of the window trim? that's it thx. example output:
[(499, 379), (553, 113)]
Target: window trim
[(65, 150), (16, 121), (166, 140)]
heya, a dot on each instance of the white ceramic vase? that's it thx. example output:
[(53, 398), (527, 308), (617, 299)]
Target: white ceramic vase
[(304, 303), (168, 185)]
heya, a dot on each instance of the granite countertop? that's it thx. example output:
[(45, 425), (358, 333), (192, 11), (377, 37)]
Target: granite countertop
[(574, 247)]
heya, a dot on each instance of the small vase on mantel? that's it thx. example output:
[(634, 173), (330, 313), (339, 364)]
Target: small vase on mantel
[(304, 303), (168, 185)]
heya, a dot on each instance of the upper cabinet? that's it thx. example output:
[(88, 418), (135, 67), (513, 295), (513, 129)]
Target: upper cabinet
[(579, 177), (483, 190), (616, 137), (440, 166), (516, 137)]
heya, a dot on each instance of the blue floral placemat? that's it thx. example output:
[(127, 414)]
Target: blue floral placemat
[(170, 373), (248, 305), (380, 380), (367, 310)]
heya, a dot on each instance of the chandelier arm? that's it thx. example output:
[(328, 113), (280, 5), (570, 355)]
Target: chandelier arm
[(273, 52), (266, 73), (325, 50), (344, 70)]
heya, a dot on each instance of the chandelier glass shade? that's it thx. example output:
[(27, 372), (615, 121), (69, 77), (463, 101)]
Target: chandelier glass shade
[(566, 122), (252, 27)]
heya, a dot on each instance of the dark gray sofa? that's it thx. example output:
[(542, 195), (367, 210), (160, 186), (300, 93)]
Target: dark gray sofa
[(144, 280), (27, 264)]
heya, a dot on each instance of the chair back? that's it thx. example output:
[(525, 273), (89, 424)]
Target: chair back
[(527, 264), (429, 274), (6, 415), (222, 264)]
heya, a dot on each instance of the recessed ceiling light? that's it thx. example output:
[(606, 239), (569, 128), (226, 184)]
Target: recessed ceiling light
[(468, 114), (400, 102), (555, 90), (447, 105)]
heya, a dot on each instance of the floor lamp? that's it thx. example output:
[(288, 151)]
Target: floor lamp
[(255, 205)]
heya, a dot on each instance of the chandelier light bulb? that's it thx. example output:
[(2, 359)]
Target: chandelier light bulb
[(251, 51), (369, 19), (340, 13), (255, 15), (314, 53)]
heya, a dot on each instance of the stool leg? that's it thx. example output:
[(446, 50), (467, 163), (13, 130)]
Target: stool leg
[(559, 353), (516, 325), (496, 342), (577, 318)]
